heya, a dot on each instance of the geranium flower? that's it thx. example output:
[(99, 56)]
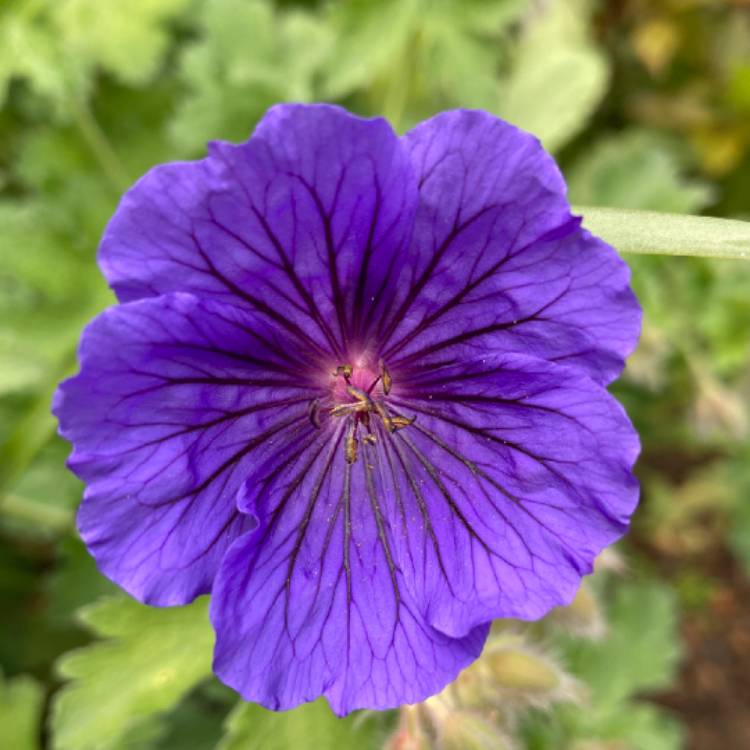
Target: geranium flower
[(354, 388)]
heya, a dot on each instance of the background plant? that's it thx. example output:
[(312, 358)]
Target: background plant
[(645, 104)]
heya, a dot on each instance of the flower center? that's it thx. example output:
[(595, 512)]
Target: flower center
[(358, 394)]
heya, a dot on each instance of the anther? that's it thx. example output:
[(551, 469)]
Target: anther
[(385, 416), (313, 412), (400, 422), (344, 371), (385, 378), (371, 439), (351, 445)]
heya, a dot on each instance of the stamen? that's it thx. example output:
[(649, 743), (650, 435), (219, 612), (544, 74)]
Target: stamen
[(400, 422), (344, 410), (313, 412), (344, 371), (361, 408), (385, 416), (385, 376), (350, 449), (360, 395)]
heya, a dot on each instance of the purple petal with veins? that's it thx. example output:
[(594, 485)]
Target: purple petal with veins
[(355, 389)]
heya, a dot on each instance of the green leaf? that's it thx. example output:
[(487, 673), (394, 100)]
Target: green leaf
[(643, 726), (197, 722), (151, 658), (20, 365), (128, 40), (558, 76), (42, 313), (30, 51), (248, 57), (637, 169), (431, 55), (21, 702), (365, 46), (652, 233), (641, 652), (311, 726)]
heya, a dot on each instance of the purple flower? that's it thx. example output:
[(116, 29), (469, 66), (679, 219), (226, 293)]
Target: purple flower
[(355, 389)]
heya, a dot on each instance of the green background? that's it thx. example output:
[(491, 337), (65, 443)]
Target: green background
[(646, 105)]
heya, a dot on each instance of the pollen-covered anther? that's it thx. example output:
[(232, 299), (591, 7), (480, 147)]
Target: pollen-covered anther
[(313, 412), (385, 378), (399, 422), (385, 416), (344, 371), (395, 422), (351, 444)]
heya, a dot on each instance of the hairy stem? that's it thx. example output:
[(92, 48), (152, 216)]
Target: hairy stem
[(653, 233)]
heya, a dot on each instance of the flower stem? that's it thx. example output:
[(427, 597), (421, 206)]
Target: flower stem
[(653, 233)]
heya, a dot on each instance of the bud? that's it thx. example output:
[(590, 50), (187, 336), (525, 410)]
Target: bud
[(602, 745), (519, 669), (410, 734), (610, 560), (471, 689), (583, 617), (404, 740), (470, 731), (522, 676)]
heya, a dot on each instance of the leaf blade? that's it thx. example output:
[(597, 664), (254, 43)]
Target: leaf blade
[(151, 659)]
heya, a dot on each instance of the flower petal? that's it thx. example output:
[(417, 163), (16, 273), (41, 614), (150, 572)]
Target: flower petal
[(519, 469), (312, 601), (307, 222), (499, 264), (173, 397)]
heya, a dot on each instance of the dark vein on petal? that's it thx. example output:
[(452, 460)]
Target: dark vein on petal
[(302, 290), (417, 287), (375, 505), (333, 274), (518, 502), (454, 301), (359, 293), (305, 522), (435, 476), (346, 494), (421, 504), (294, 483), (471, 334), (187, 429), (250, 446), (254, 301)]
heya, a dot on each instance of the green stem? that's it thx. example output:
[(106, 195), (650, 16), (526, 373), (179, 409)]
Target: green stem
[(653, 233), (100, 145)]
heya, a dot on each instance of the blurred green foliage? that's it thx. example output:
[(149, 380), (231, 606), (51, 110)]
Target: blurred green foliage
[(641, 653), (645, 104)]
